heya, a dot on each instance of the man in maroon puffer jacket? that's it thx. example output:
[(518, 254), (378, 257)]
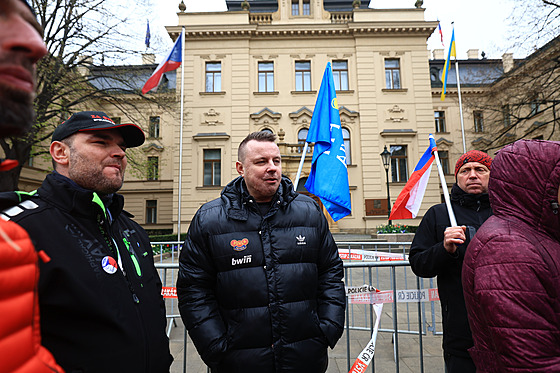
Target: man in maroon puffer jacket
[(511, 271)]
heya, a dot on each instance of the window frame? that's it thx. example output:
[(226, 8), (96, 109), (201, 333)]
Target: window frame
[(439, 118), (154, 127), (151, 212), (390, 83), (347, 145), (340, 76), (215, 168), (444, 161), (478, 119), (398, 162), (304, 75), (216, 77), (265, 75), (152, 173)]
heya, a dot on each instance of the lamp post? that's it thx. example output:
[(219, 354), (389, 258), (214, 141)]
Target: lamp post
[(386, 158)]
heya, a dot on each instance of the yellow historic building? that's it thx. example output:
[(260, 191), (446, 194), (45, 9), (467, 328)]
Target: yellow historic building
[(258, 66)]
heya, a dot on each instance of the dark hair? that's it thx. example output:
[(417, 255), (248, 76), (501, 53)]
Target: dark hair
[(257, 136)]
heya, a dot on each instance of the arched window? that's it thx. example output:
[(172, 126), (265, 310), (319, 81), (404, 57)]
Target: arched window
[(301, 136), (267, 130), (346, 138)]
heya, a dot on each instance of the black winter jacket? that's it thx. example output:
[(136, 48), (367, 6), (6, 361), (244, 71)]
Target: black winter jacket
[(261, 294), (93, 318), (428, 258)]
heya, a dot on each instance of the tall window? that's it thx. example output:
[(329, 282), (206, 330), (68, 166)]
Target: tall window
[(392, 73), (301, 7), (440, 121), (295, 7), (346, 138), (399, 171), (478, 121), (153, 128), (151, 211), (306, 7), (212, 167), (266, 76), (153, 168), (213, 76), (340, 75), (303, 75), (506, 115), (444, 160), (301, 137)]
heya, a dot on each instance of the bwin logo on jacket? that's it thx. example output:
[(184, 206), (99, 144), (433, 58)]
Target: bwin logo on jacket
[(239, 245), (301, 240), (245, 260)]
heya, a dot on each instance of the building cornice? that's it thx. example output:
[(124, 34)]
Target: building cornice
[(307, 30)]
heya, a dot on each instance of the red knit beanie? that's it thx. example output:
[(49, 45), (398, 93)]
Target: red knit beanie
[(473, 156)]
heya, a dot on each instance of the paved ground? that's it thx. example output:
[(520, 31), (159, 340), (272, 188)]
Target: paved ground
[(409, 357)]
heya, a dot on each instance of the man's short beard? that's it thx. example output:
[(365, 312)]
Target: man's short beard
[(16, 112)]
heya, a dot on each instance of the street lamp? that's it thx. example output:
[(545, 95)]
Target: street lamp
[(386, 158)]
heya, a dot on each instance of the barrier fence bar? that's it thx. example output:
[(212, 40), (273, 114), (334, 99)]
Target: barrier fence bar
[(388, 274)]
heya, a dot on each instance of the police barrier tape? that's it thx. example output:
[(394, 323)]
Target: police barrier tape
[(366, 356), (369, 256), (367, 294)]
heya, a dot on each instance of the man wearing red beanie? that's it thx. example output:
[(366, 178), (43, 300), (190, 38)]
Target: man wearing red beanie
[(438, 249)]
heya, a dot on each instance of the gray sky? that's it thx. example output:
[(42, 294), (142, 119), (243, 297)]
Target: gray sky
[(479, 24)]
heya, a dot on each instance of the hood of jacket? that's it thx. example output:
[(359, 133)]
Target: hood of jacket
[(524, 184), (236, 196)]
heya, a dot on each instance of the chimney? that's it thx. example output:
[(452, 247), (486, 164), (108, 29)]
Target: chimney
[(437, 54), (148, 58), (472, 54), (84, 63), (507, 61)]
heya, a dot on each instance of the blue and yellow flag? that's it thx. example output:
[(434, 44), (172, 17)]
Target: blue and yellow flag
[(328, 178), (450, 54)]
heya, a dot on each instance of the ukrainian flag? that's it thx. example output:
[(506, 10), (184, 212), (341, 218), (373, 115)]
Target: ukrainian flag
[(447, 63)]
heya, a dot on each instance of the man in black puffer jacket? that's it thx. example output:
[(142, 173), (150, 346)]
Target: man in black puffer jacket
[(260, 281), (438, 249)]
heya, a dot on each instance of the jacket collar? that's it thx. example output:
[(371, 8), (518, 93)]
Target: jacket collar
[(475, 201), (239, 201), (67, 195)]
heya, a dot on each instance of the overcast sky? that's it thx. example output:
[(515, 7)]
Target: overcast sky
[(479, 24)]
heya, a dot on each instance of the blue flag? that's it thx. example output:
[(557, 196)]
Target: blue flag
[(328, 178), (147, 41)]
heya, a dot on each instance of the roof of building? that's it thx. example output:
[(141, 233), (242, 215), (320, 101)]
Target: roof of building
[(472, 72), (269, 6), (129, 77)]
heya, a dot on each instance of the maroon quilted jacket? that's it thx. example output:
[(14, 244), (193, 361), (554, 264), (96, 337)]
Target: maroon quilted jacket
[(511, 272)]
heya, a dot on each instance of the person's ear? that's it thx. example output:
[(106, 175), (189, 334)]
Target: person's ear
[(60, 153), (239, 168)]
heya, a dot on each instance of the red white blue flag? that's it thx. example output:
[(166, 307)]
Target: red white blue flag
[(169, 63), (409, 200)]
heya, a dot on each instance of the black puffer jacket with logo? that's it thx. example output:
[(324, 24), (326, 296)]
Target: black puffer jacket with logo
[(261, 293), (93, 318)]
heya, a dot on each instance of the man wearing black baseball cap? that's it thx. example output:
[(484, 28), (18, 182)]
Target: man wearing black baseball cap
[(99, 292)]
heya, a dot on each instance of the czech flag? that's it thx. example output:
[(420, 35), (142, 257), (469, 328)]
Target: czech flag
[(170, 63), (408, 202)]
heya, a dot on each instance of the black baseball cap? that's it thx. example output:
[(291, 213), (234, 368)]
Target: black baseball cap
[(95, 121)]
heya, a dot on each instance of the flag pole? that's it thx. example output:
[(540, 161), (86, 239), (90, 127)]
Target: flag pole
[(445, 191), (304, 152), (460, 104), (181, 134)]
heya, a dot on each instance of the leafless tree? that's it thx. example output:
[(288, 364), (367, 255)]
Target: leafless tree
[(81, 34)]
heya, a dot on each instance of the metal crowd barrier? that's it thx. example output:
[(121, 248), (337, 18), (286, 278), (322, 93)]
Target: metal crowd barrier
[(410, 317)]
